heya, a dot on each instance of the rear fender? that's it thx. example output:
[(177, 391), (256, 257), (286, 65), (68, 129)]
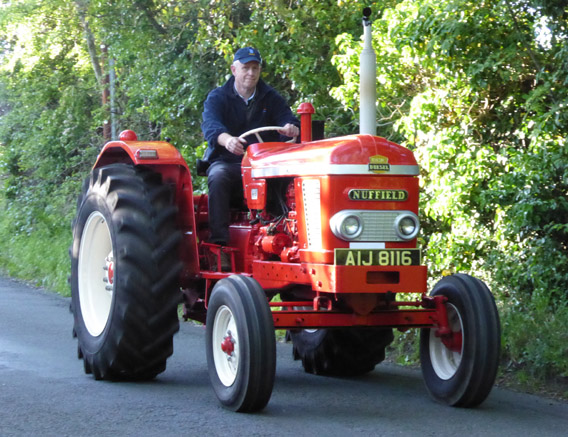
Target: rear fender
[(165, 159)]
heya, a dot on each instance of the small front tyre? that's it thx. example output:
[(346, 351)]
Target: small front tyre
[(240, 343), (461, 370)]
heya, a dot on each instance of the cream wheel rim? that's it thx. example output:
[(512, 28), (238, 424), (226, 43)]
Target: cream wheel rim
[(96, 274), (225, 346)]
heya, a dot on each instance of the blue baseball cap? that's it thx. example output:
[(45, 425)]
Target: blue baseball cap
[(247, 54)]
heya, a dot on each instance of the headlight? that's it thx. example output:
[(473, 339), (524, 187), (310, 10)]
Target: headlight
[(346, 225), (351, 226), (406, 226)]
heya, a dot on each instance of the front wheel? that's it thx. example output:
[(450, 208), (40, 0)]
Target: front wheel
[(240, 343), (460, 369)]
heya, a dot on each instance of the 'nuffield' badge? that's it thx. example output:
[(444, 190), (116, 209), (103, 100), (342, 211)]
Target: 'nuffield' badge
[(379, 164), (386, 195)]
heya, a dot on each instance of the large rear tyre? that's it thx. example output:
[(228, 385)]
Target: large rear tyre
[(340, 352), (240, 343), (124, 270), (462, 372)]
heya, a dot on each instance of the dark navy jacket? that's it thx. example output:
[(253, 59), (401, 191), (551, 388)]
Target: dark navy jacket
[(225, 111)]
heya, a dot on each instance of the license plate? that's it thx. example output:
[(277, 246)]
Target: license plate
[(377, 257)]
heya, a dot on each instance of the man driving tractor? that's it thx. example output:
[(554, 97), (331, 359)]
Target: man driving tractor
[(243, 103)]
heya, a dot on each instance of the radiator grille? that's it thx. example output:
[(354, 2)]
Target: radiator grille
[(312, 210), (378, 226)]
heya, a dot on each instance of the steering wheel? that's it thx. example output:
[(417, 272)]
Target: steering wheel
[(264, 129)]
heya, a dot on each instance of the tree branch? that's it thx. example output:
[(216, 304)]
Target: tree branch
[(144, 7)]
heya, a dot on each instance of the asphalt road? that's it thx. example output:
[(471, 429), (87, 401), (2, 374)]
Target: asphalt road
[(43, 391)]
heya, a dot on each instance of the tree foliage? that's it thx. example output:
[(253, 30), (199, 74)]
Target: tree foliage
[(476, 88)]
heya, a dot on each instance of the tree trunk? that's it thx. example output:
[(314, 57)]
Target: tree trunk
[(105, 96), (96, 62), (90, 39)]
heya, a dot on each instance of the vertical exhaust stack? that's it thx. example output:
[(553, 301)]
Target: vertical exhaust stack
[(367, 80)]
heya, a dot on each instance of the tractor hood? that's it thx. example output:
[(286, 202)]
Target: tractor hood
[(349, 155)]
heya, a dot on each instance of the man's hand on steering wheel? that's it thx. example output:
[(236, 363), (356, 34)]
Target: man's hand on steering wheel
[(237, 145), (289, 130), (234, 145)]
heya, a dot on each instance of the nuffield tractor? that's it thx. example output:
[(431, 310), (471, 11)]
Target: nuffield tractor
[(324, 246)]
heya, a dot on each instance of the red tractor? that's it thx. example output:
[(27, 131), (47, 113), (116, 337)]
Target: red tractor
[(325, 247)]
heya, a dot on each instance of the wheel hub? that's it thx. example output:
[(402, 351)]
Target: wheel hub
[(108, 277), (228, 345), (453, 341)]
